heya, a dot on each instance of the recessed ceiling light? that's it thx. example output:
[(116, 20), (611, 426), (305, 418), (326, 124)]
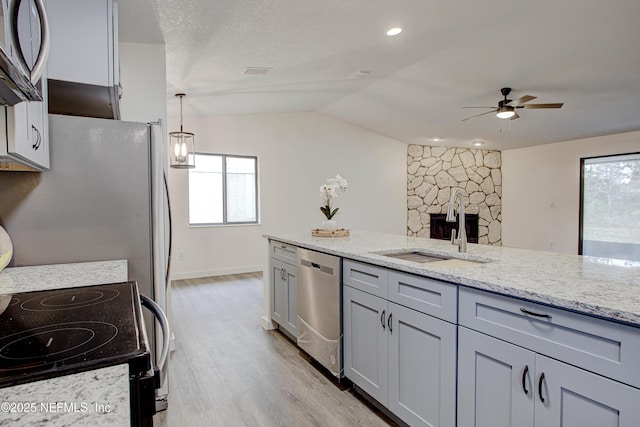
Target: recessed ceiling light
[(478, 143), (436, 138), (394, 31)]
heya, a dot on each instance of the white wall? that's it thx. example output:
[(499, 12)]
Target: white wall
[(296, 153), (541, 190)]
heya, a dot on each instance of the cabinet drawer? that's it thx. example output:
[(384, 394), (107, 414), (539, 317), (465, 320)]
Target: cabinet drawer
[(365, 277), (597, 345), (429, 296), (283, 251)]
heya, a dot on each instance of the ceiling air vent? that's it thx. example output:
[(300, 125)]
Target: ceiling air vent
[(255, 71)]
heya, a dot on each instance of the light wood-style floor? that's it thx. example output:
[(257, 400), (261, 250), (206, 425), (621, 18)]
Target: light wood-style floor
[(228, 371)]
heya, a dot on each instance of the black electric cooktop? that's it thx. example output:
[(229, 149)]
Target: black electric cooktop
[(45, 334)]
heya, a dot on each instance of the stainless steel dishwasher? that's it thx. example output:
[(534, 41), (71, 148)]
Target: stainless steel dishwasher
[(319, 311)]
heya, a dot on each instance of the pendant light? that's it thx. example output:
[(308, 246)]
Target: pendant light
[(182, 146)]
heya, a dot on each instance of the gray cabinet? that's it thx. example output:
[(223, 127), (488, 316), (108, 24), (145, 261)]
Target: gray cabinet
[(504, 384), (284, 288), (403, 358), (366, 342), (422, 368)]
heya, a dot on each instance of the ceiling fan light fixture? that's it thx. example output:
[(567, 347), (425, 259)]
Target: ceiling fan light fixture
[(394, 31), (505, 112)]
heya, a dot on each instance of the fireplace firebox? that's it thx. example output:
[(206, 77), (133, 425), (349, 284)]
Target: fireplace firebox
[(441, 229)]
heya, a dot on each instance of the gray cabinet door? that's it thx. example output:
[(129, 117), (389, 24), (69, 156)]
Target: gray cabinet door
[(284, 309), (365, 342), (422, 368), (574, 397), (279, 306), (495, 382), (291, 280)]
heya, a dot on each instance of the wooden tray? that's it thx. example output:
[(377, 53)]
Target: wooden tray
[(340, 232)]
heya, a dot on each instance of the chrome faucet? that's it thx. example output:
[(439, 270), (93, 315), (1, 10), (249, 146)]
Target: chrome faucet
[(461, 241)]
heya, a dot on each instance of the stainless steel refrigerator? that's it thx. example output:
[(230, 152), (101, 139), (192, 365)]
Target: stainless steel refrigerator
[(104, 198)]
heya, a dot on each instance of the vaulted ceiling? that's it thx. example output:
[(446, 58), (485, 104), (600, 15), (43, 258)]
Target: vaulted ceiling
[(333, 57)]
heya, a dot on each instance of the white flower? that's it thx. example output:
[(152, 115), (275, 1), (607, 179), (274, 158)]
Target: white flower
[(329, 191), (339, 182)]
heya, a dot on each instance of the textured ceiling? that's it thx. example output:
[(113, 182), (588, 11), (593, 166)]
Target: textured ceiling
[(584, 53)]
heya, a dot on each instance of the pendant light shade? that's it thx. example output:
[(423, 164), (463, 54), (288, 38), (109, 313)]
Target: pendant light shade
[(182, 145)]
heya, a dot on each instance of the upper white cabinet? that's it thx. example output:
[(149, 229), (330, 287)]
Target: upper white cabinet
[(83, 67), (27, 133), (24, 134)]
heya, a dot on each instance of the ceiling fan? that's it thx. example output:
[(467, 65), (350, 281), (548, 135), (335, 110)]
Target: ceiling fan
[(507, 108)]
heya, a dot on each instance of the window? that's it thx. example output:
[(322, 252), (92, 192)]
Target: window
[(223, 189), (610, 207)]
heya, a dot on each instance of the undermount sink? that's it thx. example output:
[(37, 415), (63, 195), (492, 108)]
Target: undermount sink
[(434, 259), (416, 256)]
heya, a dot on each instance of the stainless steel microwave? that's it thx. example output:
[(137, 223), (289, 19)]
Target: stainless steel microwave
[(24, 46)]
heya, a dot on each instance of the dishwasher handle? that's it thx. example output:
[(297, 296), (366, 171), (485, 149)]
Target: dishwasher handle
[(315, 266)]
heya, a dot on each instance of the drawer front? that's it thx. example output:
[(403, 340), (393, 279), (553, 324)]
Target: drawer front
[(429, 296), (283, 251), (367, 278), (597, 345)]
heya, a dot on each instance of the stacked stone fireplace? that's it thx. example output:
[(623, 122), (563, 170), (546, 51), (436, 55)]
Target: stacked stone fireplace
[(433, 173)]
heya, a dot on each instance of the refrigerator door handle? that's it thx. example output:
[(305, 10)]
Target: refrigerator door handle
[(160, 370), (166, 191)]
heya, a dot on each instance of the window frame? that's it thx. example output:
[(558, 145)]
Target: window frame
[(583, 160), (225, 221)]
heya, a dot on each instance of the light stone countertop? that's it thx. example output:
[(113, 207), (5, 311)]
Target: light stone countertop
[(94, 398), (601, 287), (56, 276)]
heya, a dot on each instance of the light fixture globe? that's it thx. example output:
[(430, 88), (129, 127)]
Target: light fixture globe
[(505, 112), (182, 147)]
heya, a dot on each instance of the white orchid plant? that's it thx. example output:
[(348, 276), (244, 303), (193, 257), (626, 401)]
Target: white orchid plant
[(329, 191)]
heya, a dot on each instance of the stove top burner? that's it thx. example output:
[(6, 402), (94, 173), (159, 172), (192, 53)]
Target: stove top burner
[(50, 333), (54, 343), (73, 299)]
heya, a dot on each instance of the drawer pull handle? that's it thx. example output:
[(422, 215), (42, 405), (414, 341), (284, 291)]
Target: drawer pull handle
[(382, 320), (540, 387), (532, 313), (389, 323), (525, 372)]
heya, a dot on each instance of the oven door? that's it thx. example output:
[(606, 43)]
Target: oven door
[(24, 47)]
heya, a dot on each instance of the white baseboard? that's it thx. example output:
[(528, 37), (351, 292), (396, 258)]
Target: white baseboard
[(216, 272)]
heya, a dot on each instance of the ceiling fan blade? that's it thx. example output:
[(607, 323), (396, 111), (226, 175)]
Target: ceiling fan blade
[(516, 116), (554, 105), (481, 114), (478, 107), (523, 99)]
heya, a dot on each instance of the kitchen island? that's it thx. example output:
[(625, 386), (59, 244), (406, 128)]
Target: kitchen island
[(596, 286), (493, 336)]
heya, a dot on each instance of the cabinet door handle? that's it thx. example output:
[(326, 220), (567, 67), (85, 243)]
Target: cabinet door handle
[(382, 319), (37, 138), (525, 373), (532, 313), (540, 387), (389, 323)]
